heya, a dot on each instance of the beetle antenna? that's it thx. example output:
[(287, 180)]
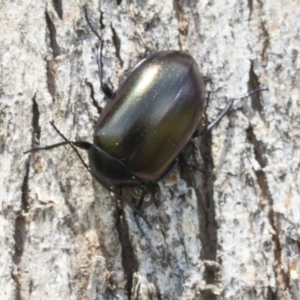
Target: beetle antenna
[(72, 144), (85, 145), (45, 147), (81, 144), (225, 111)]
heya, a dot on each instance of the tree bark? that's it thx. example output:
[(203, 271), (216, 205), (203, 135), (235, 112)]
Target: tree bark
[(230, 234)]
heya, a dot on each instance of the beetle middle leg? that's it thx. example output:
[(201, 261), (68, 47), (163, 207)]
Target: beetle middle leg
[(138, 207), (108, 92)]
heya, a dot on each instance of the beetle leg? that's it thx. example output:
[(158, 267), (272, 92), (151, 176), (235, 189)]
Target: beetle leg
[(138, 224), (105, 88), (141, 200), (137, 211), (172, 167), (216, 121), (194, 168), (108, 92), (225, 111)]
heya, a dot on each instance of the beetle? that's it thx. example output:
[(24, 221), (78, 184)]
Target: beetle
[(147, 121)]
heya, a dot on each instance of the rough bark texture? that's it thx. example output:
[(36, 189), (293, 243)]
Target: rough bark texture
[(233, 234)]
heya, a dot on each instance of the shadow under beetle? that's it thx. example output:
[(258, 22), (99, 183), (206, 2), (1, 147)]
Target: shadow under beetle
[(146, 123)]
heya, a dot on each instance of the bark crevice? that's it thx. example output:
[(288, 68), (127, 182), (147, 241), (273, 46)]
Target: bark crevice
[(282, 276), (52, 35), (129, 261), (92, 95), (36, 129), (51, 85), (20, 232), (117, 45), (58, 8)]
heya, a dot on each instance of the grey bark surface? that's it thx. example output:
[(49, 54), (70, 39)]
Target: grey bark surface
[(232, 234)]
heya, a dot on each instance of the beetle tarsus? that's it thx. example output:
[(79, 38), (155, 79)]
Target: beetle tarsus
[(264, 88), (138, 224), (108, 92), (89, 23), (139, 213), (105, 88)]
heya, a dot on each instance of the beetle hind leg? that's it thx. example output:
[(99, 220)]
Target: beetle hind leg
[(225, 110), (108, 92)]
